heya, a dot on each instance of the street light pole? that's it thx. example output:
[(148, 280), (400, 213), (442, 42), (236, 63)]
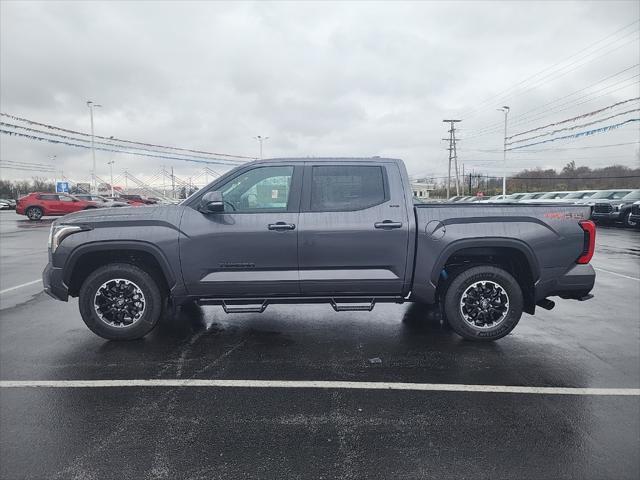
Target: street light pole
[(504, 109), (110, 163), (91, 106), (260, 140)]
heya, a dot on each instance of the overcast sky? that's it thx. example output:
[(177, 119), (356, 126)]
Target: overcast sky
[(320, 79)]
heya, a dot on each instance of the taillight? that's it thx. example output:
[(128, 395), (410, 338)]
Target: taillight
[(589, 229)]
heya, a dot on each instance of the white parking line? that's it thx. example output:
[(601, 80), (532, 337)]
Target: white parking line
[(20, 286), (423, 387), (615, 273)]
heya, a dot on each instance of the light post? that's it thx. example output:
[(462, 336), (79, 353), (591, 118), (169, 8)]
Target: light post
[(110, 163), (504, 109), (260, 140), (91, 106)]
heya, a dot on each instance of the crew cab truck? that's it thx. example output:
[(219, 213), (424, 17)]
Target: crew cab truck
[(342, 231)]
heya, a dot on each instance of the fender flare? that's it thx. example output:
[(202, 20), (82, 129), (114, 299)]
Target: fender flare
[(491, 242), (108, 245)]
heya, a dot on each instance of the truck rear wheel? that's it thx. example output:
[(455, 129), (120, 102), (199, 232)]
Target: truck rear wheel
[(483, 303), (120, 301)]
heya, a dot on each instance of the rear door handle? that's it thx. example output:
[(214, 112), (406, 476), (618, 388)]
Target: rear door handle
[(388, 224), (281, 226)]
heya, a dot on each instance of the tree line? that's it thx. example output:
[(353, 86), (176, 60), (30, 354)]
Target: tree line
[(571, 177)]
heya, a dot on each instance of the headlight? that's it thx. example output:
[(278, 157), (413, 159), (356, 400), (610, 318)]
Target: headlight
[(60, 232), (618, 207)]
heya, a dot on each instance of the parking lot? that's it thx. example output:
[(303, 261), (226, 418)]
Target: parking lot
[(238, 423)]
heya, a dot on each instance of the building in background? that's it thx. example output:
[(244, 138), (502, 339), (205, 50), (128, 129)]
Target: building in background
[(422, 187)]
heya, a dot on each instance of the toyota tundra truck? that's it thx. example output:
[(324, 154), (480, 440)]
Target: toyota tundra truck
[(340, 231)]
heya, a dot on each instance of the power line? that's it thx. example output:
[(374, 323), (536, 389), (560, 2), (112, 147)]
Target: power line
[(499, 97), (526, 119)]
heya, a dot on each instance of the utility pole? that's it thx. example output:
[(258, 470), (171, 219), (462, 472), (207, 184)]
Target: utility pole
[(504, 109), (91, 106), (452, 156), (260, 140)]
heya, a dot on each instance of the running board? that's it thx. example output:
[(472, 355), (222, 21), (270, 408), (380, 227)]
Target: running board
[(259, 305)]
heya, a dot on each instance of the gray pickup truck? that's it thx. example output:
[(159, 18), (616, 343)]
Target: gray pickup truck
[(342, 231)]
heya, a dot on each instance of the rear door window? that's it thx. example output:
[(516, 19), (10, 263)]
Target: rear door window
[(349, 187), (48, 197)]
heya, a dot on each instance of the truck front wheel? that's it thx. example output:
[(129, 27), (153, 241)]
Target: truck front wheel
[(483, 303), (120, 301)]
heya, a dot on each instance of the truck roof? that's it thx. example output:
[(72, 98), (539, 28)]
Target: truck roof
[(326, 159)]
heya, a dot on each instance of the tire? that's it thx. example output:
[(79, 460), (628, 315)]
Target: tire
[(34, 213), (464, 298), (125, 287), (626, 220)]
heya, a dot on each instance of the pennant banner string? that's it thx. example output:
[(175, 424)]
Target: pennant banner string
[(589, 114), (579, 134), (110, 144), (84, 134), (51, 140), (574, 127)]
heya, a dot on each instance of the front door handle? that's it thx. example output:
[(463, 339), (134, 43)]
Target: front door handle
[(388, 225), (281, 226)]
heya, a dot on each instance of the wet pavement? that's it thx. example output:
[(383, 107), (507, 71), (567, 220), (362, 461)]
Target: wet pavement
[(209, 432)]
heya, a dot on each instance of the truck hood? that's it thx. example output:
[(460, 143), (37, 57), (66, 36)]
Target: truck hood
[(124, 215)]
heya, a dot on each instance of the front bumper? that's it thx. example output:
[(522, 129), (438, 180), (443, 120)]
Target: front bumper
[(606, 217), (53, 282)]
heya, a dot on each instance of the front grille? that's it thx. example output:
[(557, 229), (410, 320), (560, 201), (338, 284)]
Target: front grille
[(603, 208), (635, 209)]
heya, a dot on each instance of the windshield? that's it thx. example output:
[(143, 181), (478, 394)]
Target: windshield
[(635, 195), (580, 194), (611, 194), (552, 195)]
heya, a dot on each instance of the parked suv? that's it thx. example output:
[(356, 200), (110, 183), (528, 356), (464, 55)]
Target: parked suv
[(616, 210), (9, 202), (634, 216), (105, 202), (604, 195), (38, 204), (138, 199)]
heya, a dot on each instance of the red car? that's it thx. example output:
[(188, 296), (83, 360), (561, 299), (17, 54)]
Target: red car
[(37, 204)]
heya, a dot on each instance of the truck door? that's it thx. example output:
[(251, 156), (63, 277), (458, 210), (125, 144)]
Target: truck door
[(354, 230), (250, 249)]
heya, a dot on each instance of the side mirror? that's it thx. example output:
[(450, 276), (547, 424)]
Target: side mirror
[(211, 202)]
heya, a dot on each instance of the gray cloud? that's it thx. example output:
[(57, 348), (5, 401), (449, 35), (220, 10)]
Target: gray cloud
[(318, 78)]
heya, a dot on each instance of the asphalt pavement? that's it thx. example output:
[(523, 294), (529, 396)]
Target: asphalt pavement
[(127, 431)]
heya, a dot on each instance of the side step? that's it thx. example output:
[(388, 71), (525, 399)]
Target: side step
[(244, 308), (353, 307)]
